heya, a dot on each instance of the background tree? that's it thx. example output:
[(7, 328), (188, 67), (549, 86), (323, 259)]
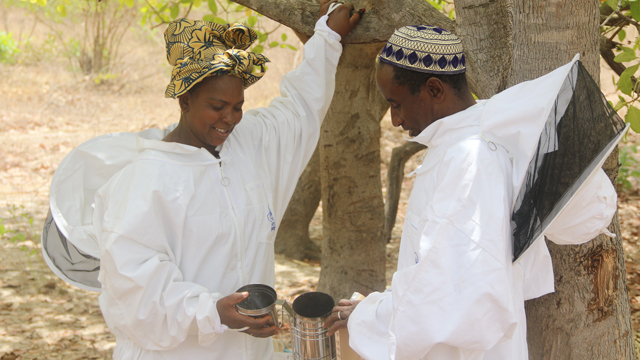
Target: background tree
[(507, 42)]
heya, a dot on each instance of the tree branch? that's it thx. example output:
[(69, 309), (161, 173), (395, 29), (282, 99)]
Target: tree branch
[(606, 51), (395, 174), (381, 19), (626, 19)]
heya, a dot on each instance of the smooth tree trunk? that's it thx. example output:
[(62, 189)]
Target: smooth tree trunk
[(293, 234), (353, 250), (588, 317)]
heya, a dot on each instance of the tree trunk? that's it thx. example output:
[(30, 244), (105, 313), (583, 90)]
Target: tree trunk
[(588, 317), (485, 31), (293, 234), (353, 249), (395, 174)]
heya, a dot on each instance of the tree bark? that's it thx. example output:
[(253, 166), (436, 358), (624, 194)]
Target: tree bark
[(293, 234), (353, 251), (395, 174), (588, 317), (483, 25), (381, 19)]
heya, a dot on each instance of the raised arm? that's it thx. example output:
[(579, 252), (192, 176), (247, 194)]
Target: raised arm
[(287, 131)]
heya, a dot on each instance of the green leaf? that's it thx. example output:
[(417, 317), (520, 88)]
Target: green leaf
[(292, 47), (42, 2), (186, 1), (284, 37), (62, 10), (129, 3), (240, 8), (635, 10), (633, 117), (283, 45), (622, 35), (258, 49), (251, 21), (627, 50), (613, 4), (619, 105), (175, 11), (631, 70), (219, 20), (435, 4), (209, 18), (197, 3), (274, 44), (19, 237), (262, 38), (625, 57), (624, 84), (213, 6)]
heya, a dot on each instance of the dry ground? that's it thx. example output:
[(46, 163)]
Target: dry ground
[(46, 109)]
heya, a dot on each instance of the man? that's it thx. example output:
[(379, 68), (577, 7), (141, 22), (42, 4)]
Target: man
[(456, 293)]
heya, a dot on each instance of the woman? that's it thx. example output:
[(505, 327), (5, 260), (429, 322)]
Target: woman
[(193, 217)]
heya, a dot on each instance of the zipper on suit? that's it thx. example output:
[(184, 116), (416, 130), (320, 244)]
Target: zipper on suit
[(225, 182)]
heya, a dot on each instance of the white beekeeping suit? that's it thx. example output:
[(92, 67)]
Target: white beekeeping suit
[(177, 229), (456, 293)]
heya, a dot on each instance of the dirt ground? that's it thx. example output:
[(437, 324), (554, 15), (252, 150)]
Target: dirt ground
[(47, 108)]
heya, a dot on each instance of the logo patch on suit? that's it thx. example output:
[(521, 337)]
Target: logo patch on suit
[(272, 220)]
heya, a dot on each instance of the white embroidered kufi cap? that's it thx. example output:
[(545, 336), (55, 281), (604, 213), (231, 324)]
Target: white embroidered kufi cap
[(424, 48)]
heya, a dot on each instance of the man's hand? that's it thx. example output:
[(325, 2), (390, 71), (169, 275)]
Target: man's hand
[(340, 316), (340, 20), (260, 327)]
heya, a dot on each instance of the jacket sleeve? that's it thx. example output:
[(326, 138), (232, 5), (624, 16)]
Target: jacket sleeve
[(144, 295), (458, 297), (588, 214), (286, 132), (369, 326)]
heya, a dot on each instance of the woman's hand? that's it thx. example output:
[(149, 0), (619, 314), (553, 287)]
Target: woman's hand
[(340, 20), (340, 316), (260, 327)]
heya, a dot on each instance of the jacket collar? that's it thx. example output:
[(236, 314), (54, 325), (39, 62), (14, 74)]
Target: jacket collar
[(453, 127), (182, 153)]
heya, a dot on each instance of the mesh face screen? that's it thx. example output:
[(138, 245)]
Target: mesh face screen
[(580, 132), (67, 261)]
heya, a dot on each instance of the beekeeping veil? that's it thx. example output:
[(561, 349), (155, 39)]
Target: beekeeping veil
[(559, 129), (69, 245)]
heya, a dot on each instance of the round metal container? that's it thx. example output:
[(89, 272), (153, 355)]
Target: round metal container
[(310, 337), (261, 300)]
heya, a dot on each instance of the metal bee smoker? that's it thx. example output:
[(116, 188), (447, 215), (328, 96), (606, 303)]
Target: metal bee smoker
[(305, 316)]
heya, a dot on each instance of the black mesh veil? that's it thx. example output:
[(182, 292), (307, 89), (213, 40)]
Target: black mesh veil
[(66, 261), (581, 131)]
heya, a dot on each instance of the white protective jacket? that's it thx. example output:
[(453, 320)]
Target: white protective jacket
[(456, 293), (178, 229)]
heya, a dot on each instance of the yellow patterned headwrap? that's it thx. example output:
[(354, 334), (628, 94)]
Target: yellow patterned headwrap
[(197, 49)]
